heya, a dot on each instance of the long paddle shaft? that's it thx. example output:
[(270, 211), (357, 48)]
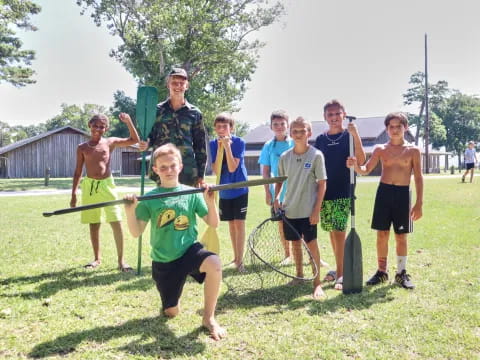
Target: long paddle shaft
[(352, 259), (235, 185)]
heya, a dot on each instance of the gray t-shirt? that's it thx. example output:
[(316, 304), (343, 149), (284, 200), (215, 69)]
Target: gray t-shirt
[(303, 172)]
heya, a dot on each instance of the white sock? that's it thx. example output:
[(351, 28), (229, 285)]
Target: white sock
[(401, 263)]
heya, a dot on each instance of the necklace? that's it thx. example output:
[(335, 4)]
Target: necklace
[(334, 141), (92, 146)]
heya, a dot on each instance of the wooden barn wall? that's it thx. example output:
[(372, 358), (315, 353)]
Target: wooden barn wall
[(58, 152)]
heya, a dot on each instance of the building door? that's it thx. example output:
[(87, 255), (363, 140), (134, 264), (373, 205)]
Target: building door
[(130, 164)]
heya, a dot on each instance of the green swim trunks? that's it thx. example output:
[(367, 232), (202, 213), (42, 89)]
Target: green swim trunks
[(334, 215), (94, 191)]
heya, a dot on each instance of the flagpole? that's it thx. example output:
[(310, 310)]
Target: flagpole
[(427, 115)]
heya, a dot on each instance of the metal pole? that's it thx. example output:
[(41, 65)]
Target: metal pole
[(427, 122)]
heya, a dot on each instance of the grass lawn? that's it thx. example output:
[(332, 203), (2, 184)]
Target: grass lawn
[(53, 308)]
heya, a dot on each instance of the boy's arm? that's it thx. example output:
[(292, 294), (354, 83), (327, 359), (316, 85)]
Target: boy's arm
[(123, 142), (211, 218), (357, 143), (416, 212), (135, 225), (232, 162), (369, 166), (317, 207), (77, 175), (266, 175), (214, 163)]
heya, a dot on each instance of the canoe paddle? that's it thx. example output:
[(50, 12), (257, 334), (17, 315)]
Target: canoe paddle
[(352, 258), (145, 113)]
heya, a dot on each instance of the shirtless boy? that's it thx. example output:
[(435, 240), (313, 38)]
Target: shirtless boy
[(392, 203), (98, 185)]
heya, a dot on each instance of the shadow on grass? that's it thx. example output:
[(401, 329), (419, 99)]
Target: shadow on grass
[(51, 283), (254, 289), (154, 338)]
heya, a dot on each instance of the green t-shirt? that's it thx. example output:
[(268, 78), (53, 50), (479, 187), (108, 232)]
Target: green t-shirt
[(173, 227)]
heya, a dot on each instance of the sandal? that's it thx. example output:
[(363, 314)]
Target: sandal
[(339, 283), (125, 268), (92, 265), (331, 276)]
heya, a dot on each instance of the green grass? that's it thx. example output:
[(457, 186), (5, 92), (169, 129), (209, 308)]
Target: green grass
[(54, 308)]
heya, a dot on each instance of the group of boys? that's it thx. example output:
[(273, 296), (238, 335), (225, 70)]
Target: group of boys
[(317, 191)]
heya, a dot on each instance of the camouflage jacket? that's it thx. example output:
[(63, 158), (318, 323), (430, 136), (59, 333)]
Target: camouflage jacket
[(184, 128)]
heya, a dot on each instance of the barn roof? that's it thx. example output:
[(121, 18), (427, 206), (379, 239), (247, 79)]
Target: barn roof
[(19, 144)]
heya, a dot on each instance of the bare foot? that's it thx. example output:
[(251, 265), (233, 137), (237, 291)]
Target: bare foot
[(294, 282), (92, 265), (241, 268), (216, 331), (318, 292)]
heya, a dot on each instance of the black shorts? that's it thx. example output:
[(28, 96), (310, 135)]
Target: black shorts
[(171, 276), (469, 165), (233, 209), (302, 227), (392, 205)]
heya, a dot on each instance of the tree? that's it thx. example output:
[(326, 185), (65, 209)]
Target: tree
[(75, 116), (211, 39), (121, 103), (416, 94), (461, 117), (16, 13)]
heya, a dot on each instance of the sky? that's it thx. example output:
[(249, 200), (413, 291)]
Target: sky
[(360, 52)]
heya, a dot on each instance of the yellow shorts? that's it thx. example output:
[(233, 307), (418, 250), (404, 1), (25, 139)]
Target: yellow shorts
[(94, 191)]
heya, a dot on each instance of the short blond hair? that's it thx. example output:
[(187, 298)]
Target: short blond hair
[(301, 122), (167, 149)]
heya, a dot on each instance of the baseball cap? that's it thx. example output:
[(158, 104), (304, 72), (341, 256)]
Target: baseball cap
[(176, 71)]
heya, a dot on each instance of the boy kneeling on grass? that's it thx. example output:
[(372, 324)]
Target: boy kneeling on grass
[(175, 251)]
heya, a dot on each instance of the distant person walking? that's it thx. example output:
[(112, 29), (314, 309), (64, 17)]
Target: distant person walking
[(470, 160)]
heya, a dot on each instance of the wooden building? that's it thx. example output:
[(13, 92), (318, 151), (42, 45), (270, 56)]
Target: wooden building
[(56, 150), (372, 131)]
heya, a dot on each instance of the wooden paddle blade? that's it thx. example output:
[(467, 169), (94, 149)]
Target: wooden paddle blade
[(352, 264), (210, 240), (146, 110)]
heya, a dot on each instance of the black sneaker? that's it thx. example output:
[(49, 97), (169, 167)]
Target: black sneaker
[(403, 279), (378, 278)]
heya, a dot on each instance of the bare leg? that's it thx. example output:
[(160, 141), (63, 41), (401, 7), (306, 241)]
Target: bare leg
[(471, 174), (382, 248), (401, 244), (240, 242), (317, 285), (95, 240), (285, 243), (338, 243), (212, 267), (172, 311)]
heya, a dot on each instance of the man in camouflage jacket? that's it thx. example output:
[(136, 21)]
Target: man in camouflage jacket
[(180, 123)]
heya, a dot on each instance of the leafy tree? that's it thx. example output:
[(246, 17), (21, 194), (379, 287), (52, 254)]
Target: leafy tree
[(121, 103), (5, 136), (416, 94), (10, 134), (75, 116), (211, 39), (461, 117), (12, 57), (438, 133)]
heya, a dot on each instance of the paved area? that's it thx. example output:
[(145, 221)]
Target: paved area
[(124, 189)]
